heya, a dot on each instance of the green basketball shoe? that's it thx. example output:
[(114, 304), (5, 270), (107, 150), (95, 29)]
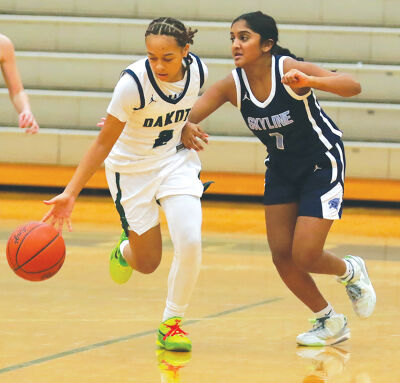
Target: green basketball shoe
[(120, 271), (172, 337)]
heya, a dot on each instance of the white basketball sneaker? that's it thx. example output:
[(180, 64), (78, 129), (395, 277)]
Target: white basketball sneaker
[(359, 288), (326, 331)]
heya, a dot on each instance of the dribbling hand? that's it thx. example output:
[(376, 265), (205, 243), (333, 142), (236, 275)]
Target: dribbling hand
[(60, 212), (191, 133)]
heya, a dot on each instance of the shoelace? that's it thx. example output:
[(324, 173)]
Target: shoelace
[(353, 291), (174, 329), (318, 323)]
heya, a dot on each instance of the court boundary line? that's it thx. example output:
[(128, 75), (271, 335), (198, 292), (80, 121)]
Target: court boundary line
[(125, 338)]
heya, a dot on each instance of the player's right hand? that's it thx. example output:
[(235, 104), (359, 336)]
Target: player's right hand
[(191, 133), (60, 212)]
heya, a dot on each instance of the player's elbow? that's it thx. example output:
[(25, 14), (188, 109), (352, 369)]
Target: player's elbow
[(355, 89), (352, 89)]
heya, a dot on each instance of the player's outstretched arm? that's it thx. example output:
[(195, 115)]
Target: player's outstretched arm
[(19, 98), (63, 204), (304, 75), (214, 97)]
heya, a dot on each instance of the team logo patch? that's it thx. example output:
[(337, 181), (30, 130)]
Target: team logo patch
[(334, 203), (316, 167)]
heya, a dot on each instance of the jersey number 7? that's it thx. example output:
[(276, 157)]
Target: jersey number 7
[(279, 140)]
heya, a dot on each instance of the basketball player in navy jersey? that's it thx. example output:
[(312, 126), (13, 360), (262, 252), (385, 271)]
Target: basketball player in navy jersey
[(26, 119), (147, 164), (305, 166)]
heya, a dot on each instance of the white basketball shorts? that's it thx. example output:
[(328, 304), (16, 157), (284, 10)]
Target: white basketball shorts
[(136, 194)]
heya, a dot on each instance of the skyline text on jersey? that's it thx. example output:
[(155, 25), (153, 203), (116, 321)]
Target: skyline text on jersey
[(273, 122), (169, 118)]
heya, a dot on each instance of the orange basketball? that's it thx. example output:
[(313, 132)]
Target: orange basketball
[(35, 251)]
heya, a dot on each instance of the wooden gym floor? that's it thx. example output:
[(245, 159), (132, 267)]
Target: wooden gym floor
[(81, 327)]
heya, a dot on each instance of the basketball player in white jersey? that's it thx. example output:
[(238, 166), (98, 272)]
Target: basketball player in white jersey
[(147, 166), (26, 119)]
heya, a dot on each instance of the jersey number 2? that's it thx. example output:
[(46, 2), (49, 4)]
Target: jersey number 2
[(279, 140), (163, 138)]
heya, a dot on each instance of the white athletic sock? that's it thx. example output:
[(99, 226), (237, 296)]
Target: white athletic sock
[(183, 213), (172, 310), (122, 247), (349, 271), (327, 311)]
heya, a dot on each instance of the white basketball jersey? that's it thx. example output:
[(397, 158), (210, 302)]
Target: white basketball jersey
[(155, 113)]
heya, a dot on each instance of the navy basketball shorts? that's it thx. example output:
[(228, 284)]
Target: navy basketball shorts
[(317, 189)]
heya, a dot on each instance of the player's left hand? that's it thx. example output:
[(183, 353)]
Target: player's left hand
[(26, 120), (191, 134), (296, 79), (101, 123)]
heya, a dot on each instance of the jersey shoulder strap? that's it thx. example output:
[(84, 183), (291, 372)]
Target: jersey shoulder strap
[(201, 69), (241, 90), (139, 86)]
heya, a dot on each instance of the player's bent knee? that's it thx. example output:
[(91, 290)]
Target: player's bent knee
[(190, 246), (281, 258), (304, 259), (147, 267), (147, 263)]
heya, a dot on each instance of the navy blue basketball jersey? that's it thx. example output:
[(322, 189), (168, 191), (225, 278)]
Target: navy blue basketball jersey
[(294, 128)]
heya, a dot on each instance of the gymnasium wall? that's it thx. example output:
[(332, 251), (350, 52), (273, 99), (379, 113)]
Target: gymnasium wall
[(70, 54)]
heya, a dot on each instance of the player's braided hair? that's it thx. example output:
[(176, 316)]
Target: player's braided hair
[(171, 27), (266, 27)]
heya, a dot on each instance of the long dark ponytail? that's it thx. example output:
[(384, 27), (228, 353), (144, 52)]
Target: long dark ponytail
[(266, 27)]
